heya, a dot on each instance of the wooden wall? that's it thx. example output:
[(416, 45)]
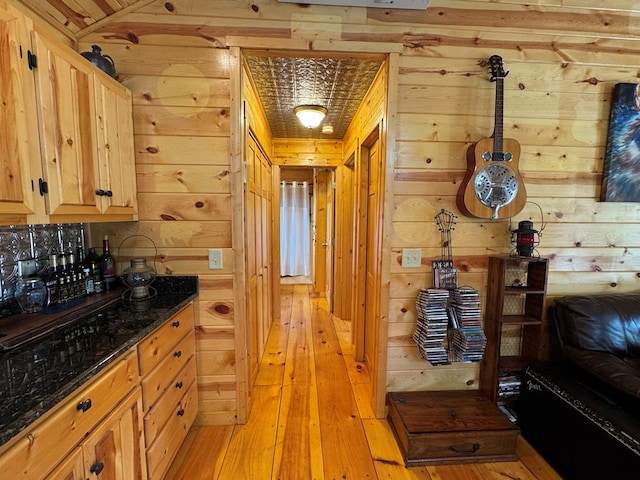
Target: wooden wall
[(564, 57)]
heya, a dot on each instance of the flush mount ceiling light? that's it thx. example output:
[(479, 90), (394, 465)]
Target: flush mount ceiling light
[(310, 115)]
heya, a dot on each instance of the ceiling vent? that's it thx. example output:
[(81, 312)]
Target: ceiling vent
[(407, 4)]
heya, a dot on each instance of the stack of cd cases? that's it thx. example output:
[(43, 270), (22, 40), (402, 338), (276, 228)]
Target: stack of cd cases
[(431, 326), (469, 340)]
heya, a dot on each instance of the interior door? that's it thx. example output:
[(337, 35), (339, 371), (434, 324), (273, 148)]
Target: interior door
[(330, 241), (373, 241), (258, 221)]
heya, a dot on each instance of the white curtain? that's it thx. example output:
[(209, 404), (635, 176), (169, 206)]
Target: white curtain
[(295, 229)]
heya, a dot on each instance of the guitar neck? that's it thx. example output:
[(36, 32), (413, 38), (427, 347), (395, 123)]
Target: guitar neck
[(498, 131)]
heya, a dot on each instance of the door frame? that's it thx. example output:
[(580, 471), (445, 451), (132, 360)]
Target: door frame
[(392, 52)]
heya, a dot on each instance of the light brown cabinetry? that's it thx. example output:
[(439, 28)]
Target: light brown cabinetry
[(19, 142), (113, 450), (169, 389), (70, 155), (513, 323)]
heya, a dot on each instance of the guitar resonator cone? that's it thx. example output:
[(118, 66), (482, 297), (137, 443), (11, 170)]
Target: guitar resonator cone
[(496, 185)]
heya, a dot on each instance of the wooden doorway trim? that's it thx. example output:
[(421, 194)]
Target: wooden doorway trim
[(388, 137)]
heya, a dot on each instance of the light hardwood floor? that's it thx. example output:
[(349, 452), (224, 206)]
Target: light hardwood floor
[(311, 417)]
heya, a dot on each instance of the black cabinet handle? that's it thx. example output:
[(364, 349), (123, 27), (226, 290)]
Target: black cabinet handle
[(180, 412), (177, 354), (97, 468), (100, 192), (32, 60), (109, 193), (175, 324), (178, 384), (43, 187), (84, 406)]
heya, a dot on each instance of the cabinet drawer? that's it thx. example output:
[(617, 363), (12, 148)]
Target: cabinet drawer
[(162, 452), (44, 445), (462, 447), (156, 382), (162, 341), (164, 407), (72, 468)]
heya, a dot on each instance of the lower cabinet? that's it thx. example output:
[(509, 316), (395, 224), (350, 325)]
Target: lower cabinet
[(169, 389), (127, 423), (113, 451), (50, 441)]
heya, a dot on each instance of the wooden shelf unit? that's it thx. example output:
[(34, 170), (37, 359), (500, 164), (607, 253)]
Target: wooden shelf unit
[(519, 281)]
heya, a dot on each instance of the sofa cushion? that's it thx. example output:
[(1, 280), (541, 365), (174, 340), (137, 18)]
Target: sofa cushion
[(608, 369), (605, 323)]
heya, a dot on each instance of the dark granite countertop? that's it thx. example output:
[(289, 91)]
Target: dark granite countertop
[(56, 360)]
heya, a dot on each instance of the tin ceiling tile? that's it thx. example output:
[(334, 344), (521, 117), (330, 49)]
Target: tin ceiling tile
[(283, 83)]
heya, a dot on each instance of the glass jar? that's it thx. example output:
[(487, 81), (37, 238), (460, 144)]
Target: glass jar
[(31, 294)]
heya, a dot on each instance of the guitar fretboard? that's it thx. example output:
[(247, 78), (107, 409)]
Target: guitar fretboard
[(498, 131)]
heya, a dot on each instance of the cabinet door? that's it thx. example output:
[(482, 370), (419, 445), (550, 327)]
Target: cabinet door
[(19, 138), (114, 450), (72, 468), (114, 138), (65, 88)]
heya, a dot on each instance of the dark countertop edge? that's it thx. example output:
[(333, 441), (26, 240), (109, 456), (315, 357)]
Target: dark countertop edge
[(27, 419)]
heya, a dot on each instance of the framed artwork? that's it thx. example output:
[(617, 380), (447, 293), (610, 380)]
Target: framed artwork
[(621, 175)]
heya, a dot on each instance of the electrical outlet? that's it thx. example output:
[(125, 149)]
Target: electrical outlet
[(411, 257), (215, 259)]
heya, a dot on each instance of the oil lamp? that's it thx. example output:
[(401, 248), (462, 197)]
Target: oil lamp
[(138, 278), (525, 239)]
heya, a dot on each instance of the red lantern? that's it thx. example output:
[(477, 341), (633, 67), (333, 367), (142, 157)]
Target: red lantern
[(525, 239)]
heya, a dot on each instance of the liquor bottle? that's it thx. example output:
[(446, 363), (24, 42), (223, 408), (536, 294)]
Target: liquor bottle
[(97, 277), (93, 278), (62, 283), (82, 270), (72, 276), (50, 279), (107, 266)]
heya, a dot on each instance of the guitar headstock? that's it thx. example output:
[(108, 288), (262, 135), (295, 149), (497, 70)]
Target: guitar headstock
[(497, 68), (445, 220)]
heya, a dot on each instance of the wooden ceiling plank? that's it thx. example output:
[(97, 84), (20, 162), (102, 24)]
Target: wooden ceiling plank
[(132, 7)]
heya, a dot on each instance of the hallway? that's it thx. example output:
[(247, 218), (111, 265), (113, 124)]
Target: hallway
[(311, 417)]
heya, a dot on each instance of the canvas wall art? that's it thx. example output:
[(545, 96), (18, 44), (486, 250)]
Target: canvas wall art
[(621, 175)]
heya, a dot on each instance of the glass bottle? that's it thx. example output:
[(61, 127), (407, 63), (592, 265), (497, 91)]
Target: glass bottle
[(107, 266), (62, 283), (50, 279)]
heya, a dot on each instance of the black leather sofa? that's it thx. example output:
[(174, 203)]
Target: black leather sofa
[(582, 410)]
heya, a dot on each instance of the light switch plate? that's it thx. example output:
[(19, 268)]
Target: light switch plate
[(411, 257), (215, 259)]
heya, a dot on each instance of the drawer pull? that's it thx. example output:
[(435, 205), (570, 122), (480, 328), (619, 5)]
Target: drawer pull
[(178, 384), (97, 468), (180, 412), (177, 354), (84, 406), (176, 324), (464, 450)]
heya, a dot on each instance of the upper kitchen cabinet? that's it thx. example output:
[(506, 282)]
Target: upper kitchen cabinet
[(19, 142), (86, 138), (114, 140)]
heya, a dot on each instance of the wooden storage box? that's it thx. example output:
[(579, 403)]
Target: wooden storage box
[(450, 427)]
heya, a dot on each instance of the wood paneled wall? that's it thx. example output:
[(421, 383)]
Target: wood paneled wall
[(564, 56)]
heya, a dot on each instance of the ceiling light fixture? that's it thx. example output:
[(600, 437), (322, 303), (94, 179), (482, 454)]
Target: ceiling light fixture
[(310, 115)]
